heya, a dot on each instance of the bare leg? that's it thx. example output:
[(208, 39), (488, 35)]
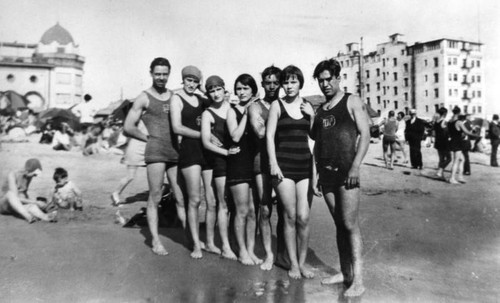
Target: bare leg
[(174, 179), (264, 191), (393, 154), (222, 218), (457, 159), (251, 227), (192, 177), (401, 144), (124, 182), (210, 217), (240, 196), (286, 191), (303, 205), (35, 211), (18, 207), (385, 153), (156, 174)]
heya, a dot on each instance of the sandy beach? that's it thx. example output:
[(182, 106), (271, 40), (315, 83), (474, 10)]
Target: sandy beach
[(424, 241)]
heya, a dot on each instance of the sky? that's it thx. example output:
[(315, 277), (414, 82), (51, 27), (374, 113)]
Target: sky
[(119, 39)]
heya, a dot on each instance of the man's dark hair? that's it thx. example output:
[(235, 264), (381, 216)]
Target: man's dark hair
[(159, 62), (271, 70), (495, 117), (87, 97), (60, 173), (331, 65), (402, 114), (391, 113), (248, 80), (292, 70), (442, 111), (456, 110)]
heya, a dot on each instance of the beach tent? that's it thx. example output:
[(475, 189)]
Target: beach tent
[(108, 110), (10, 102), (59, 115)]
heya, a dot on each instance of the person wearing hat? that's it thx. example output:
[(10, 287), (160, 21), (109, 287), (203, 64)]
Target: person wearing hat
[(152, 106), (414, 132), (214, 137), (185, 115), (14, 199)]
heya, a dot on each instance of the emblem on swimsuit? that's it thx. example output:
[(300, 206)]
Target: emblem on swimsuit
[(166, 107), (328, 122)]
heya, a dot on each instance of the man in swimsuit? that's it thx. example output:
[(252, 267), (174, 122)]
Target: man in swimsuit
[(153, 107), (258, 113), (339, 122)]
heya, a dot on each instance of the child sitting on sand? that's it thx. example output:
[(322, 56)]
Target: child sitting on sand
[(66, 194)]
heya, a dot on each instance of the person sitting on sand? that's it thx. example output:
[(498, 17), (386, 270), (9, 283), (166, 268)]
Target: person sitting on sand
[(61, 139), (14, 199), (66, 194)]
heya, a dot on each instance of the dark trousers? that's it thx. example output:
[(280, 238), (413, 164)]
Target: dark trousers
[(494, 149), (415, 153), (444, 158), (466, 162)]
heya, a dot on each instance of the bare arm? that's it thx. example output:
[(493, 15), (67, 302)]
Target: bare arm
[(461, 125), (358, 113), (236, 130), (206, 135), (134, 115), (272, 122), (258, 124), (176, 119)]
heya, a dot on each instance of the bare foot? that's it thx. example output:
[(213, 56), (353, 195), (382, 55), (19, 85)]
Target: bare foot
[(255, 259), (294, 273), (196, 254), (159, 249), (52, 217), (245, 259), (211, 248), (115, 199), (268, 263), (306, 272), (355, 290), (227, 253), (338, 278)]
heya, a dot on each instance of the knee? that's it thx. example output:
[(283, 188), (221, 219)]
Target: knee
[(290, 219), (155, 196), (211, 205), (242, 211), (265, 213), (195, 202), (302, 220)]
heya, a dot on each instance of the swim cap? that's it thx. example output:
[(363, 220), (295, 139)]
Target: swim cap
[(32, 165), (191, 71), (214, 81)]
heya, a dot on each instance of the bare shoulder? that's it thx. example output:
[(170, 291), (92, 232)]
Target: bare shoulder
[(254, 109), (354, 103), (141, 101)]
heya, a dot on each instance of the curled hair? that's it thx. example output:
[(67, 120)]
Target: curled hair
[(330, 65), (292, 70), (442, 111), (60, 173), (456, 110), (247, 80), (160, 61), (271, 70)]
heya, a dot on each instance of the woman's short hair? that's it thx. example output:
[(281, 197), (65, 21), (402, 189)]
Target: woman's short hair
[(247, 80), (292, 70)]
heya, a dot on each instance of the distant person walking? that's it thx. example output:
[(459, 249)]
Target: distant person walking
[(415, 128), (495, 139), (86, 111), (389, 140), (441, 141), (400, 135)]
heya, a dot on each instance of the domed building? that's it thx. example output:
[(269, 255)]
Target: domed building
[(48, 73)]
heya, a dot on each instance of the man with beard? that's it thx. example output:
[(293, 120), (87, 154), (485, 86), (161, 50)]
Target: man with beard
[(152, 106)]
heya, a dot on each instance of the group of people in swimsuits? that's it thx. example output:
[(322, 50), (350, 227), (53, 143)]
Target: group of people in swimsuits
[(240, 152)]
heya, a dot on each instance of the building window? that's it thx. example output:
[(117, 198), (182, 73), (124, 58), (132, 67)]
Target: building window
[(345, 89), (427, 108), (406, 82), (378, 100), (395, 76), (63, 99), (473, 94), (436, 62), (425, 78), (63, 78), (478, 63), (395, 90), (395, 61), (455, 61), (425, 62), (426, 93), (479, 94), (60, 50), (378, 86), (472, 63), (466, 108), (347, 63), (33, 79), (368, 101), (405, 66), (436, 93), (384, 89), (479, 109), (383, 76), (11, 78), (450, 77), (455, 77), (473, 109), (450, 92), (436, 77), (436, 107), (478, 78), (449, 60), (367, 74), (406, 96), (402, 52), (378, 72), (385, 104), (383, 62), (395, 104), (368, 87), (473, 79), (455, 92)]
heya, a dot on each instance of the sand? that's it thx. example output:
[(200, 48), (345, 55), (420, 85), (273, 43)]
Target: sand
[(424, 241)]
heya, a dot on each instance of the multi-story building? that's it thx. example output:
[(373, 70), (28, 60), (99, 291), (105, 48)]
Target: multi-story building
[(425, 76), (48, 73)]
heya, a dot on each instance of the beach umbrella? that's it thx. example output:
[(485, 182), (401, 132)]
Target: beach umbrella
[(59, 115), (120, 113), (10, 102)]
